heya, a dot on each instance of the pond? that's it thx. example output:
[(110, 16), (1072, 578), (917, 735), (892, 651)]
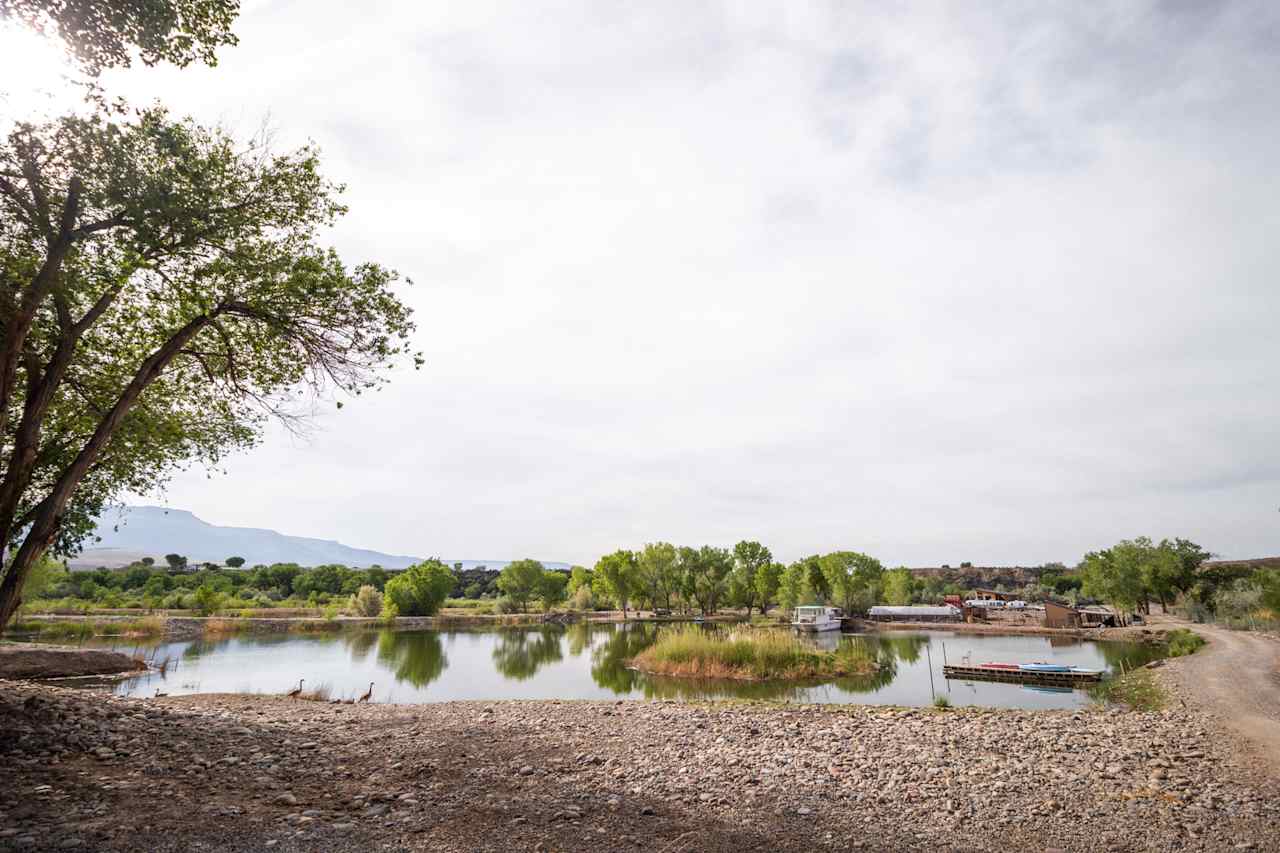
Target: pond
[(588, 661)]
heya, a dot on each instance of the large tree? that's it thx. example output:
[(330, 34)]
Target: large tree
[(102, 34), (658, 572), (162, 293), (618, 576), (854, 578), (748, 559), (521, 581), (706, 574)]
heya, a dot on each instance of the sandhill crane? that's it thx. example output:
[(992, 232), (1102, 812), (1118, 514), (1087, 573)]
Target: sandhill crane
[(297, 691), (368, 695)]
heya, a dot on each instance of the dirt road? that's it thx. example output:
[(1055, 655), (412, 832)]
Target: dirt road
[(1236, 680)]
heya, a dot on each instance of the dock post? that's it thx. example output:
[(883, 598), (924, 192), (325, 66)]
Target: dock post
[(927, 650)]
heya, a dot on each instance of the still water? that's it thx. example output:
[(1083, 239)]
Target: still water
[(588, 661)]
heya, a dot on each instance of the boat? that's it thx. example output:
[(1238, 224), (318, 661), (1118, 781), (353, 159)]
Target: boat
[(998, 665), (1083, 670), (817, 618), (1041, 666)]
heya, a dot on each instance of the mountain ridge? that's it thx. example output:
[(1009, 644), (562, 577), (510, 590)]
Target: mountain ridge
[(126, 534)]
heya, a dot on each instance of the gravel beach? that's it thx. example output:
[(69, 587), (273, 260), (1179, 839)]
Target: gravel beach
[(89, 771)]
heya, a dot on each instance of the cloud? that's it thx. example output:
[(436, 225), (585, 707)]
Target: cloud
[(993, 284)]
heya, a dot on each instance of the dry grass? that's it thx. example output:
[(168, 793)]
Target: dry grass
[(222, 626), (83, 629), (757, 655)]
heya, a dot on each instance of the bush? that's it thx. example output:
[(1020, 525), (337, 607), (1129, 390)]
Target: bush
[(941, 702), (762, 654), (1183, 641), (367, 601), (207, 600), (582, 599), (420, 590), (506, 604)]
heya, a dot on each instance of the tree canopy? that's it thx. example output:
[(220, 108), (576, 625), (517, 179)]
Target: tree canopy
[(420, 589), (521, 581), (164, 293), (102, 35)]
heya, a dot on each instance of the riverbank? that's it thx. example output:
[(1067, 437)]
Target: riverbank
[(31, 660), (238, 773)]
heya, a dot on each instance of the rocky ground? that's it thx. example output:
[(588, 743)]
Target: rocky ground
[(88, 771)]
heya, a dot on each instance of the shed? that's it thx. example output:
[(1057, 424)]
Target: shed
[(890, 613), (994, 595), (1060, 616)]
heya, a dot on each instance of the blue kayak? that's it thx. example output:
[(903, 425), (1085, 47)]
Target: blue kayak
[(1044, 667)]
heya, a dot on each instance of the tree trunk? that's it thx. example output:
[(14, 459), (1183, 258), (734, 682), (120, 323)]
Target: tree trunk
[(44, 526)]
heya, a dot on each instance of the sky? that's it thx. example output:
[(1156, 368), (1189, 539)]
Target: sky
[(935, 282)]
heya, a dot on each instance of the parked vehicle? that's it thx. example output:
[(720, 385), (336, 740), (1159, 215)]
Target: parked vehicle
[(1016, 605)]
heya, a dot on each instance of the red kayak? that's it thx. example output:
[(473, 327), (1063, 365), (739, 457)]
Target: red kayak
[(998, 666)]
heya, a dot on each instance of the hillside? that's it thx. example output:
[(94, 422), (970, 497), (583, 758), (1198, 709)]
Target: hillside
[(150, 531)]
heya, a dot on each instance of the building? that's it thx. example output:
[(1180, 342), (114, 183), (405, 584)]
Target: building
[(1061, 616), (994, 595)]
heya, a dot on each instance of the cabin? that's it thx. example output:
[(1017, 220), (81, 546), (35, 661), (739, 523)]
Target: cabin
[(1062, 616), (888, 613), (994, 595)]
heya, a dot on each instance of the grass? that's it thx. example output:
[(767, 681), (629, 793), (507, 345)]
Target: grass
[(83, 629), (690, 651), (941, 703), (1138, 689), (1183, 641), (472, 605)]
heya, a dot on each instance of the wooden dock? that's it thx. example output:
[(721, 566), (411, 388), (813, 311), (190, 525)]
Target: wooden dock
[(1021, 676)]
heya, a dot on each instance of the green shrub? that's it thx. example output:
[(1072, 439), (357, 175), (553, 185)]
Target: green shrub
[(506, 604), (759, 654), (207, 600), (941, 702), (420, 590), (1183, 641), (367, 601)]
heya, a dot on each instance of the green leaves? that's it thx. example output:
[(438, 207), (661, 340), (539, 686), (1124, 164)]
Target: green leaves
[(419, 590), (522, 581), (163, 294), (106, 34)]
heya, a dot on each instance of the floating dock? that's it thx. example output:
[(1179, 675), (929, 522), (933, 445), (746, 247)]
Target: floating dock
[(1021, 676)]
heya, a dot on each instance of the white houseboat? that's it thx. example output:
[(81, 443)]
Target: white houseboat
[(817, 618)]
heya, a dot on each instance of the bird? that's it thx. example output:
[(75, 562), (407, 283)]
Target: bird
[(159, 694), (367, 696), (297, 691)]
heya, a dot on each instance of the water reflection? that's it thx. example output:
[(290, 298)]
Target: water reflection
[(414, 656), (589, 661), (520, 653)]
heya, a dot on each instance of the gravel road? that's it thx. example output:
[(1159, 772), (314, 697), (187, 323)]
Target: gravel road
[(1235, 680), (237, 773)]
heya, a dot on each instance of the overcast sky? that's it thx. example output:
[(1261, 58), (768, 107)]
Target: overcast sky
[(996, 285)]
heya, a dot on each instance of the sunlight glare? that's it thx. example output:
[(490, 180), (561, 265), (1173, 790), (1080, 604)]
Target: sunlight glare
[(36, 76)]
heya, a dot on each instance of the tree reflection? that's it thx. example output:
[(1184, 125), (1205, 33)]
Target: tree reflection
[(578, 636), (360, 643), (902, 647), (416, 657), (609, 659), (520, 654)]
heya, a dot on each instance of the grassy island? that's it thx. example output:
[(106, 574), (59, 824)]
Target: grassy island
[(692, 652)]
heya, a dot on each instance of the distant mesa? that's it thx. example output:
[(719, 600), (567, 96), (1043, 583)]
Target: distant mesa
[(131, 533)]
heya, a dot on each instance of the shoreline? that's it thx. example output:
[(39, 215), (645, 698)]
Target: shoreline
[(239, 773)]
